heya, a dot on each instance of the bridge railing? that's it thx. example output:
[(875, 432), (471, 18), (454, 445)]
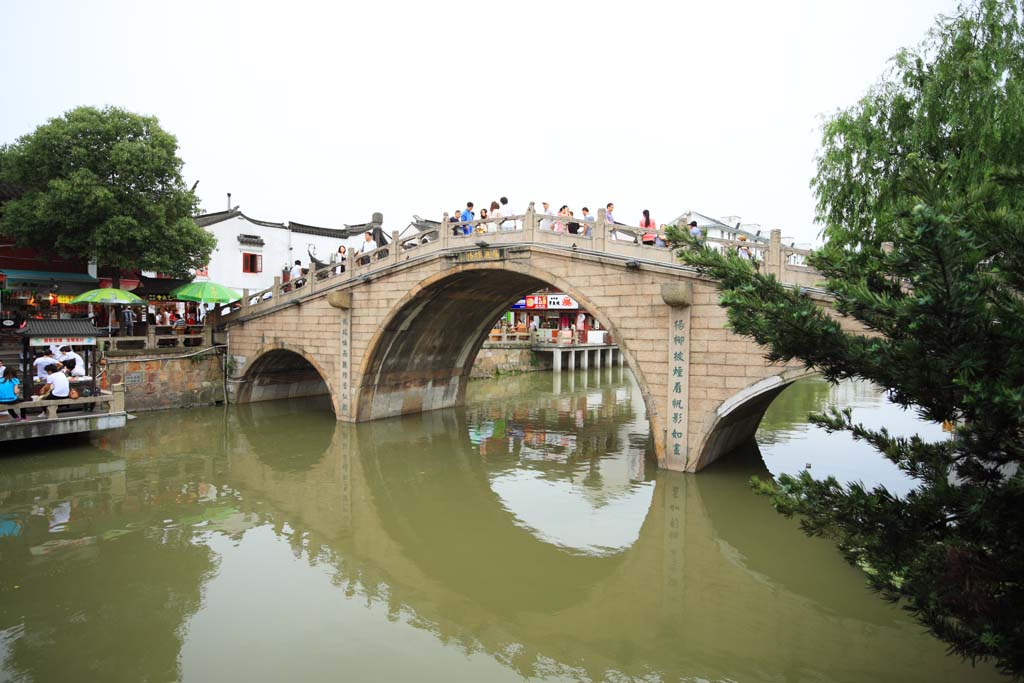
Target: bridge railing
[(616, 239)]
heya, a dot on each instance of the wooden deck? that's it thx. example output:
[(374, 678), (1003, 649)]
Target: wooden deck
[(93, 413)]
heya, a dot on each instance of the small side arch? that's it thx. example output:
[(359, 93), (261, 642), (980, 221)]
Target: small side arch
[(282, 371), (735, 420)]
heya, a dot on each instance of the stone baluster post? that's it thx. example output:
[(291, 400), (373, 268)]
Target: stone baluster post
[(444, 232), (150, 336), (276, 291), (311, 278), (530, 224), (601, 230), (774, 262), (396, 248), (245, 302)]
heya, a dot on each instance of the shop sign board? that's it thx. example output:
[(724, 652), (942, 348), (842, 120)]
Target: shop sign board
[(547, 302), (62, 341), (561, 301)]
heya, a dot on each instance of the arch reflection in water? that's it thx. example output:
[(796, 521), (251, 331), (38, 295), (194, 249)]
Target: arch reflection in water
[(396, 556), (569, 465), (789, 442)]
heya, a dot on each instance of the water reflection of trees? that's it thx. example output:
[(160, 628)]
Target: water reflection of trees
[(520, 424), (787, 415), (121, 574)]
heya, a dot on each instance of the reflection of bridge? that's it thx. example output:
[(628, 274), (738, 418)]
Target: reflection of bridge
[(678, 600), (398, 333), (701, 592)]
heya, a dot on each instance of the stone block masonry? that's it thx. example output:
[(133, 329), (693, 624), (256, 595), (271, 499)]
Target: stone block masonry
[(159, 379), (416, 328)]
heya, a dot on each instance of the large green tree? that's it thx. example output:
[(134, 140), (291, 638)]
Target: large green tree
[(102, 185), (920, 187)]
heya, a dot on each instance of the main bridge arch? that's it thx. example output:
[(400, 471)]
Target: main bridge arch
[(402, 338), (421, 356)]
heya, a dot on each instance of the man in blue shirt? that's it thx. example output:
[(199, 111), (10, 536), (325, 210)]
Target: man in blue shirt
[(466, 217)]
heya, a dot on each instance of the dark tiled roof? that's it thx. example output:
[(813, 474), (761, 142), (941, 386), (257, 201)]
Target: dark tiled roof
[(266, 224), (59, 328), (211, 218), (337, 233)]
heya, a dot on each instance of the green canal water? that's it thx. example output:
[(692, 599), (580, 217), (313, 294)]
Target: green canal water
[(525, 537)]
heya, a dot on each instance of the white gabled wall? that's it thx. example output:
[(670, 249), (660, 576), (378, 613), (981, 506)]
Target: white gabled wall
[(280, 249)]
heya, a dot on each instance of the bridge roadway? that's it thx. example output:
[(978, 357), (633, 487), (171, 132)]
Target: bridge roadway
[(397, 332)]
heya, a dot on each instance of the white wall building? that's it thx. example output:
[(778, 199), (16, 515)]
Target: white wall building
[(250, 252)]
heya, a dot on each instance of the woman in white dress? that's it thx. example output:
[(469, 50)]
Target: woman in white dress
[(496, 215)]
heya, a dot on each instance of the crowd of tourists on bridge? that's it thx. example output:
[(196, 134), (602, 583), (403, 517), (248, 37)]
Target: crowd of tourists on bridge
[(499, 217)]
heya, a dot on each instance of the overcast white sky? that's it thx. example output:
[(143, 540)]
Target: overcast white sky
[(322, 113)]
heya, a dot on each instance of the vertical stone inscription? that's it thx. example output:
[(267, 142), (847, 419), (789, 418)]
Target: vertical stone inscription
[(673, 492), (677, 422), (344, 441), (345, 366)]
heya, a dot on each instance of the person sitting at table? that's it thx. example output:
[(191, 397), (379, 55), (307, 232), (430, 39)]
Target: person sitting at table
[(178, 323), (57, 386), (72, 361), (42, 362), (10, 387)]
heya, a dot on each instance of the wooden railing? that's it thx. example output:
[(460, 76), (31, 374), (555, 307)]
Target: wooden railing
[(599, 235), (110, 402)]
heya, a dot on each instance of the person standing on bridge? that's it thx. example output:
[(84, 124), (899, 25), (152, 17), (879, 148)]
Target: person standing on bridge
[(466, 218), (296, 274), (509, 223), (342, 255), (608, 210), (588, 221), (496, 216), (649, 229), (546, 222), (366, 247)]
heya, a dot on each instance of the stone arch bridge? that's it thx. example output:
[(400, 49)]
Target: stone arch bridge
[(398, 330)]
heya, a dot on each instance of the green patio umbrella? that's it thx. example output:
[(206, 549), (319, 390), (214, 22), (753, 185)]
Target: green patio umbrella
[(108, 296), (206, 293)]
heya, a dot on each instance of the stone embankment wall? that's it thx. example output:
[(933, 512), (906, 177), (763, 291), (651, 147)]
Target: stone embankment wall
[(157, 379), (500, 358)]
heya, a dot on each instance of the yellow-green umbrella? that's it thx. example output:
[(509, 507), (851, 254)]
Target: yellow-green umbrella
[(206, 293), (107, 295)]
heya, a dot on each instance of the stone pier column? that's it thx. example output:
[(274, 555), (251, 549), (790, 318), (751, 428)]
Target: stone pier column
[(572, 360), (678, 296), (585, 359), (530, 224), (597, 360), (774, 263), (556, 360), (601, 230)]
